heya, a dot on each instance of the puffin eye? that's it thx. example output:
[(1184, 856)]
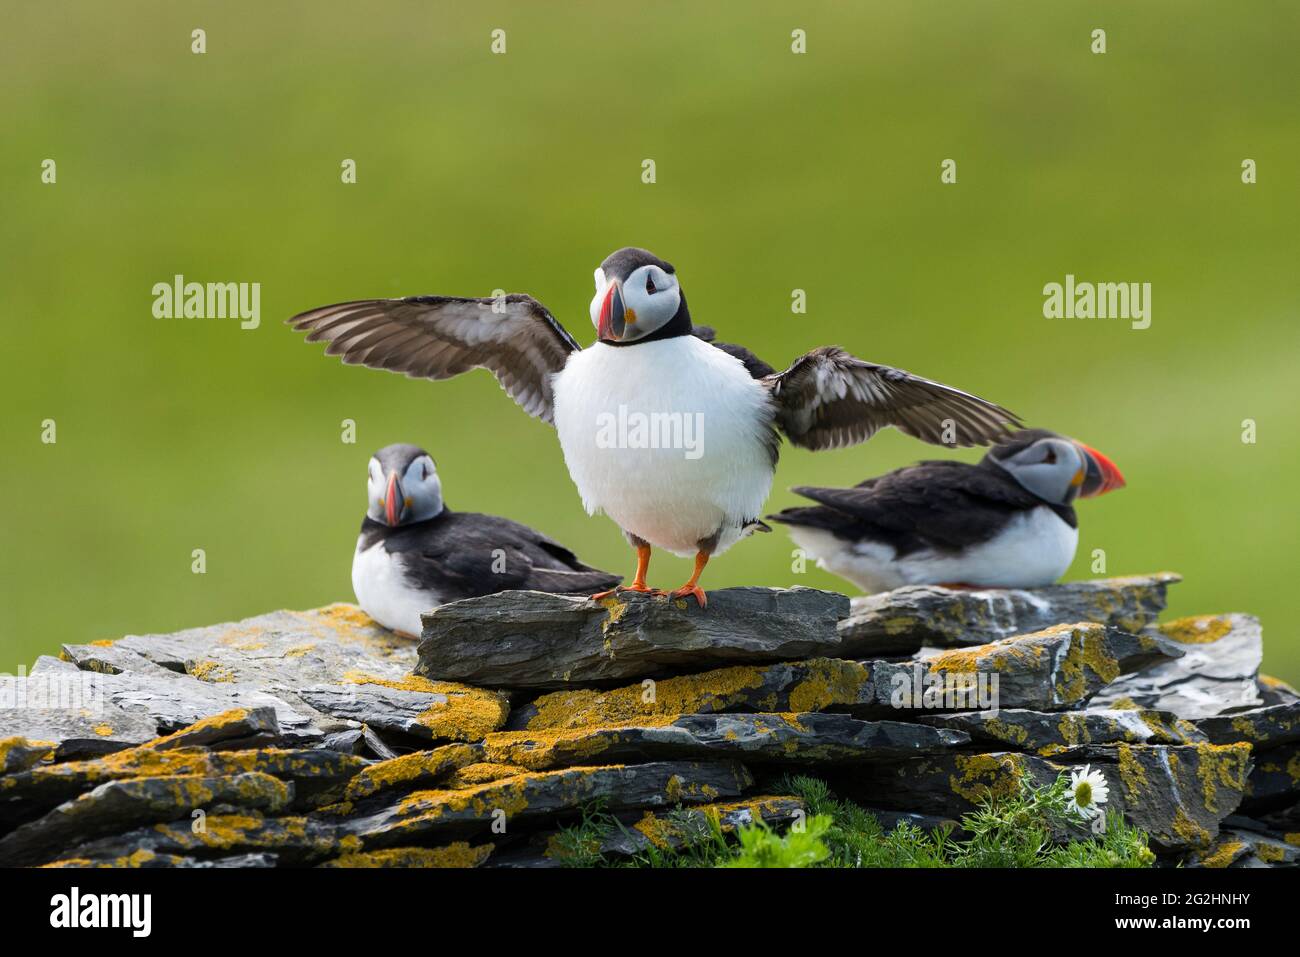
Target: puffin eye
[(1050, 459), (649, 283)]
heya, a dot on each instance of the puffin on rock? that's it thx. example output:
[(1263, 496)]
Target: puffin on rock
[(1007, 522), (695, 498), (414, 553)]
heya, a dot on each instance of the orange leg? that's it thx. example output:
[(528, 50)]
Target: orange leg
[(638, 582), (692, 586)]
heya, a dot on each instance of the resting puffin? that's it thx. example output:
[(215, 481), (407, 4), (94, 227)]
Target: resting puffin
[(414, 553), (673, 437), (1007, 522)]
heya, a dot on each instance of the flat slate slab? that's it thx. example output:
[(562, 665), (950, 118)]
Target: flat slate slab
[(121, 805), (526, 639), (110, 695), (1058, 668), (756, 738), (1047, 733), (519, 798), (290, 840), (1217, 673), (1263, 727), (902, 621)]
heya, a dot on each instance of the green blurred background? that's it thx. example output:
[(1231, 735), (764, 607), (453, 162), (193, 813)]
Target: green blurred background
[(522, 171)]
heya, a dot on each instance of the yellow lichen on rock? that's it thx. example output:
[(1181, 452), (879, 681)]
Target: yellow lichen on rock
[(1197, 629), (1223, 855), (689, 694), (1221, 764), (483, 772), (1132, 774), (1086, 652), (211, 671), (830, 682), (456, 855), (1189, 831), (214, 722), (981, 776), (468, 714), (408, 768)]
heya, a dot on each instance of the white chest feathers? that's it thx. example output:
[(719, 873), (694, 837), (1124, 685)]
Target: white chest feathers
[(385, 594), (1034, 549), (668, 438)]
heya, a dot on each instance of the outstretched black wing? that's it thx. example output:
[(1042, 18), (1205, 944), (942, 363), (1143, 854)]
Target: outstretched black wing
[(828, 399), (436, 337)]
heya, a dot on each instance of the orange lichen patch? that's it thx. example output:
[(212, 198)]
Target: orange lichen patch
[(981, 776), (419, 766), (1292, 837), (1221, 765), (458, 854), (1125, 704), (1197, 629), (1223, 855), (212, 671), (213, 722), (104, 642), (467, 715), (103, 730)]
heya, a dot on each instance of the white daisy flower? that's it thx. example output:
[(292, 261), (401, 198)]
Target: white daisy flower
[(1088, 792)]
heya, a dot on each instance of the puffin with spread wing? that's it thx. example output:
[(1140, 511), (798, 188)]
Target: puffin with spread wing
[(674, 437)]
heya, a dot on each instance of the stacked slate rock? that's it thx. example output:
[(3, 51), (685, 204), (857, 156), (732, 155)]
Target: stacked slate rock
[(320, 739)]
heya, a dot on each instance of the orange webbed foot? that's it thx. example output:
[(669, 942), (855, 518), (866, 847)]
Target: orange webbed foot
[(693, 590)]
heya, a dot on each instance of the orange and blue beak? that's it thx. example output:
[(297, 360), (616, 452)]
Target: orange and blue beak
[(394, 501), (613, 319), (1100, 474)]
